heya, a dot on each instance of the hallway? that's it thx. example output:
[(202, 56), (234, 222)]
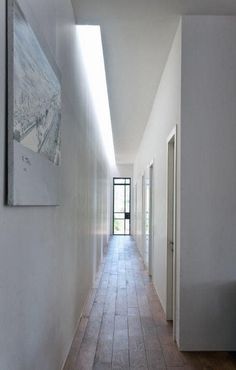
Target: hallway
[(123, 325)]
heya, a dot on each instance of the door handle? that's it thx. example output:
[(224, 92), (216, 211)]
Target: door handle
[(171, 244)]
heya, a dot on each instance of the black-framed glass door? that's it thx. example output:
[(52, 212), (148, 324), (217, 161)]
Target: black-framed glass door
[(121, 205)]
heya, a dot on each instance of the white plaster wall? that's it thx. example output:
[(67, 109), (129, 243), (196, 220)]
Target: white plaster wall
[(208, 178), (47, 254), (125, 170), (165, 115)]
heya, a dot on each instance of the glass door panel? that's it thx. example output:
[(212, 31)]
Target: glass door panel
[(119, 194), (119, 227)]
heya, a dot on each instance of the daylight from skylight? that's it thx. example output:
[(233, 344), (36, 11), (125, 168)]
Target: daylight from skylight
[(90, 43)]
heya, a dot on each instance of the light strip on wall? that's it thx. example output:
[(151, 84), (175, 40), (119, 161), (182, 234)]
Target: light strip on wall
[(90, 43)]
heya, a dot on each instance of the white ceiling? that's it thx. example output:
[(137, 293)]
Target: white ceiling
[(137, 36)]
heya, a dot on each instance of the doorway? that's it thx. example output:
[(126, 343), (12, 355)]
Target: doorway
[(147, 217), (144, 244), (171, 227), (135, 210), (150, 224), (121, 205)]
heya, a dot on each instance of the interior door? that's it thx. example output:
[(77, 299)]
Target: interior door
[(171, 228)]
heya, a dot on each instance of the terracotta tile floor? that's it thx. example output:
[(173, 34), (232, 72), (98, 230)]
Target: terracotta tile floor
[(123, 325)]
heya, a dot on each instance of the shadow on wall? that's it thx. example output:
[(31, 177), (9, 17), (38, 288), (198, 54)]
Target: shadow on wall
[(210, 326)]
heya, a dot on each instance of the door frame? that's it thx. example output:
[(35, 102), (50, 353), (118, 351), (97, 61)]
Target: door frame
[(171, 227), (150, 246), (135, 210), (113, 201), (143, 212)]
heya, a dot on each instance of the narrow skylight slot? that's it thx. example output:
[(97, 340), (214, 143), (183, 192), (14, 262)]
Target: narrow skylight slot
[(90, 43)]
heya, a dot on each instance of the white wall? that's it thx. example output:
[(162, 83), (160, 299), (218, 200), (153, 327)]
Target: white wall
[(203, 69), (165, 115), (47, 254), (208, 178), (125, 170)]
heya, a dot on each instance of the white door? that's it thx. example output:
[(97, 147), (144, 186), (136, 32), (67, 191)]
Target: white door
[(171, 227)]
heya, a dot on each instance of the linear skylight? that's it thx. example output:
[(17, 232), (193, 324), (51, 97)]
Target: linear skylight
[(90, 43)]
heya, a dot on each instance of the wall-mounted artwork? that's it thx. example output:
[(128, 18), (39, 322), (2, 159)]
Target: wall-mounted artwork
[(34, 114)]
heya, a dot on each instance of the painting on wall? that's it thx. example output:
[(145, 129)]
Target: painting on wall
[(34, 114)]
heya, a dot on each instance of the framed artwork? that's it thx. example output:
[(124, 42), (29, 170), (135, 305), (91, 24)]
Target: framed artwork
[(33, 114)]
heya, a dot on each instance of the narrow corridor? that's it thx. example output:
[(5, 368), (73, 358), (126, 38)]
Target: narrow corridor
[(123, 325)]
